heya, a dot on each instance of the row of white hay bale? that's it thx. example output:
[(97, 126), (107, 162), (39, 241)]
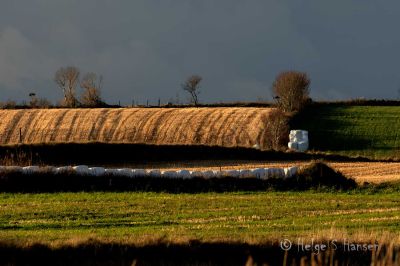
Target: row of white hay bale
[(262, 173)]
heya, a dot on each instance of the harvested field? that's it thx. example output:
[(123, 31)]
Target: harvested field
[(228, 127), (376, 172)]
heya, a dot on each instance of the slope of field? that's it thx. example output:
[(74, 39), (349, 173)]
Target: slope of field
[(208, 126), (370, 131)]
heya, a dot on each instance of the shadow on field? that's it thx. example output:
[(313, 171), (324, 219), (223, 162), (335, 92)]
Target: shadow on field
[(129, 154), (316, 175), (194, 253), (327, 133)]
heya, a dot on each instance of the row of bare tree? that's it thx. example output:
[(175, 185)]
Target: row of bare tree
[(68, 79)]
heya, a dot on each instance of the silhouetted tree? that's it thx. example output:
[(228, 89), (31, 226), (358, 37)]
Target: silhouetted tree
[(34, 100), (91, 85), (68, 79), (291, 90), (192, 85)]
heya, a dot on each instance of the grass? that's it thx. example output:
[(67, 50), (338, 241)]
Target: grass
[(367, 131), (142, 218)]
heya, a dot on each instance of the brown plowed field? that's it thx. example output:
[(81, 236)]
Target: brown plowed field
[(228, 126)]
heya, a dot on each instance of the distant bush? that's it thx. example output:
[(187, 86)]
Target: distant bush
[(291, 90), (8, 105), (321, 175)]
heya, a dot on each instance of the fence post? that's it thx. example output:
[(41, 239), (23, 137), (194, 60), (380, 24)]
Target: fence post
[(20, 135)]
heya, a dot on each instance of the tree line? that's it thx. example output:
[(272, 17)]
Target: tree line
[(290, 90)]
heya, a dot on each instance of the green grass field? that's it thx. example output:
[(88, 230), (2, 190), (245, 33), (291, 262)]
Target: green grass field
[(143, 218), (368, 131)]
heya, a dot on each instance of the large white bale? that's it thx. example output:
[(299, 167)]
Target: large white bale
[(138, 173), (296, 134), (184, 174), (259, 173), (81, 169), (169, 174), (154, 173), (302, 146), (127, 172), (97, 171), (291, 171), (293, 145), (30, 169), (245, 173)]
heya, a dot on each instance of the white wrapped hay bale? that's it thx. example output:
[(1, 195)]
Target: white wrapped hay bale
[(276, 173), (154, 173), (169, 174), (97, 171), (81, 169), (111, 171), (126, 172), (245, 173), (259, 173), (185, 174), (298, 140), (63, 169), (28, 170), (298, 134), (293, 145), (138, 173), (302, 146), (290, 171), (210, 174)]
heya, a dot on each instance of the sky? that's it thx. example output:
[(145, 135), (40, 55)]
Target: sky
[(145, 49)]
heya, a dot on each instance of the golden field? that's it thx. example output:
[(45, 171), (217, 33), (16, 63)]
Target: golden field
[(225, 126)]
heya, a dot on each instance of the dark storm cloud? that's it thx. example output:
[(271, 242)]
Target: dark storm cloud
[(145, 49)]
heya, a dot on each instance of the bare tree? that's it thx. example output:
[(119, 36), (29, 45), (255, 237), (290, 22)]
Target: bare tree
[(291, 90), (192, 85), (34, 100), (68, 79), (91, 85), (43, 103)]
